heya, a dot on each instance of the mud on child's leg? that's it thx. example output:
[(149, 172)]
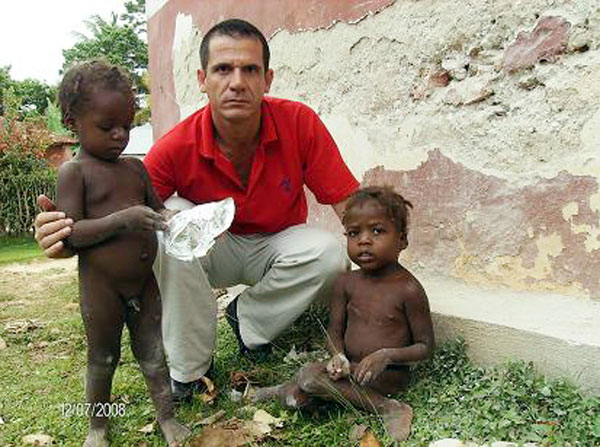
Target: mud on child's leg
[(144, 323)]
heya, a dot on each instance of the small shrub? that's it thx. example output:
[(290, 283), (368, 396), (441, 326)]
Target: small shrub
[(24, 173)]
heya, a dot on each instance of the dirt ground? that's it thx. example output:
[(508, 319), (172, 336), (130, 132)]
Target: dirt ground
[(25, 281), (20, 283)]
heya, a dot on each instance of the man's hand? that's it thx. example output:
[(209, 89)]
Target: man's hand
[(371, 367), (141, 218), (51, 227), (338, 367)]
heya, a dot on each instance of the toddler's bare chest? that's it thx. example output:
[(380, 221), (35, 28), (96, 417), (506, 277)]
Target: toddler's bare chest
[(379, 309), (112, 188)]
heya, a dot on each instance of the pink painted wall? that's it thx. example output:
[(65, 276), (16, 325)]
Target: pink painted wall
[(267, 15), (503, 105)]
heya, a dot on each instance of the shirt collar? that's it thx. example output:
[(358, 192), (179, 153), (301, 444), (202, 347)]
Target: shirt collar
[(268, 132)]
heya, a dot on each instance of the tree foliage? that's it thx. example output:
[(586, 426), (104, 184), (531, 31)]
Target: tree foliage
[(115, 42), (24, 173), (33, 94), (135, 17)]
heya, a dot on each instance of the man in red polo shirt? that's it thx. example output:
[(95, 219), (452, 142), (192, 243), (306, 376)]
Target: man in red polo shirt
[(260, 151)]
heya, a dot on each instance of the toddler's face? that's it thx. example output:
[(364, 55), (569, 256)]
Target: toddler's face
[(103, 128), (373, 241)]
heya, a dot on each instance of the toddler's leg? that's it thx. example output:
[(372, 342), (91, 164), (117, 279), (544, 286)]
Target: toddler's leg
[(397, 416), (103, 317), (289, 395), (146, 344)]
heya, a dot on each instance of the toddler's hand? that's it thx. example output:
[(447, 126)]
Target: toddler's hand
[(338, 367), (168, 214), (371, 367), (142, 218)]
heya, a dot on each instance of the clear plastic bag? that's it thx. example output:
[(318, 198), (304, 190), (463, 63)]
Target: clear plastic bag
[(192, 232)]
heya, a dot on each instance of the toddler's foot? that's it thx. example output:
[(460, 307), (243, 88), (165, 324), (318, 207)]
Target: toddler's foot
[(397, 417), (174, 432), (96, 438)]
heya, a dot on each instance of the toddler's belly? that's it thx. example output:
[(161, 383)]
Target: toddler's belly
[(361, 340), (125, 259)]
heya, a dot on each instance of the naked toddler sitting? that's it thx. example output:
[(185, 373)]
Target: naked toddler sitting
[(379, 319)]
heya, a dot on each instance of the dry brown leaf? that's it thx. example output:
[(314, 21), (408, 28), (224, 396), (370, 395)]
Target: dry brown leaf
[(40, 440), (261, 416), (230, 433), (147, 428), (211, 391), (240, 379), (212, 419), (369, 439), (235, 432), (357, 431), (21, 326)]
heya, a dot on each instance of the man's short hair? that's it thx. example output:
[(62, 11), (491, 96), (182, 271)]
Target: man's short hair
[(236, 28)]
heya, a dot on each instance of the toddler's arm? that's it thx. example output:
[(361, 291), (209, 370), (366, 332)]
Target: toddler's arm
[(152, 199), (337, 316), (88, 232)]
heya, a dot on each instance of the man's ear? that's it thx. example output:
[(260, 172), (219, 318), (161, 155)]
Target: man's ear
[(201, 75), (269, 79)]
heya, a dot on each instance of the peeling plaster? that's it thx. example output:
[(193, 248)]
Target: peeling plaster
[(487, 230), (503, 169), (186, 62), (570, 210), (489, 120)]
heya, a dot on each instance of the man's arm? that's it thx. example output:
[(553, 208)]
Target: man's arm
[(51, 227), (339, 209)]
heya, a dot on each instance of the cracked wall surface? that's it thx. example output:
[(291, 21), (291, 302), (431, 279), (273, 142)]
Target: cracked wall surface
[(486, 116)]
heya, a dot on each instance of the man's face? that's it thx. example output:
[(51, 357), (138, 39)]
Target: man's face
[(235, 78)]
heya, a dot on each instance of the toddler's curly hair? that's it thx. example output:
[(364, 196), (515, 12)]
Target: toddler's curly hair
[(395, 206), (83, 79)]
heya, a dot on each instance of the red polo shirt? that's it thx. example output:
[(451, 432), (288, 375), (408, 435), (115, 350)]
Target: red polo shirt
[(294, 149)]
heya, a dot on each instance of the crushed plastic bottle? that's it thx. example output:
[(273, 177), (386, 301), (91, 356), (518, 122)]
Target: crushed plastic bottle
[(192, 232)]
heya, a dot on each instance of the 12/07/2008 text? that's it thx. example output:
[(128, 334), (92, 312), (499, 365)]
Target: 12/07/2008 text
[(80, 409)]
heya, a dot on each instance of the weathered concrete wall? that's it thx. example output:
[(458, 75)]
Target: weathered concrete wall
[(486, 115)]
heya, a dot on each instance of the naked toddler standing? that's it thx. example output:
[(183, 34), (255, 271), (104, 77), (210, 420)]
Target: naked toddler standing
[(115, 213)]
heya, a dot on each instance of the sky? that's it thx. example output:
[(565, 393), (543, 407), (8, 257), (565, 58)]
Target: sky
[(33, 33)]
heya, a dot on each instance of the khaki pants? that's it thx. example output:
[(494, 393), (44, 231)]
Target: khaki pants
[(286, 272)]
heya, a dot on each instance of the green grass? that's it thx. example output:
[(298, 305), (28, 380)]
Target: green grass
[(451, 397), (13, 249)]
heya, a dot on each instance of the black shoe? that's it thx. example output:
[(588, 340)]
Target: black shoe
[(256, 354), (183, 391)]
